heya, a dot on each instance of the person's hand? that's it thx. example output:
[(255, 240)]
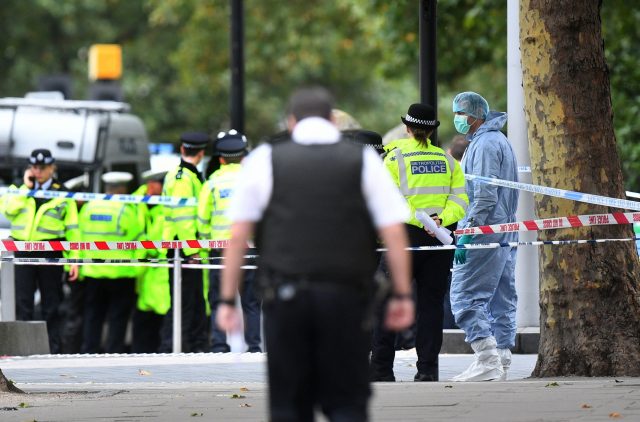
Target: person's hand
[(228, 318), (400, 313), (28, 178), (460, 256), (192, 259), (438, 222), (73, 273)]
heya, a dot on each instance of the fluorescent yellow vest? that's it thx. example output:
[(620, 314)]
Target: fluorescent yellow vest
[(152, 284), (180, 221), (430, 179), (110, 221), (54, 219), (214, 201)]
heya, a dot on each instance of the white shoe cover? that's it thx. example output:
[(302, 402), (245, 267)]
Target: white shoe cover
[(505, 359), (487, 365)]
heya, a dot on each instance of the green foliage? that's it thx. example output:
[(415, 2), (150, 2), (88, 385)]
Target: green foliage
[(621, 39), (176, 58)]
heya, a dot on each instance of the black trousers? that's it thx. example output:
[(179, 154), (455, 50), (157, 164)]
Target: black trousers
[(430, 273), (251, 311), (72, 331), (146, 331), (47, 279), (195, 337), (317, 354), (111, 300)]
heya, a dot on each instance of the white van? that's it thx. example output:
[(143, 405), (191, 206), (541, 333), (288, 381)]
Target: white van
[(87, 138)]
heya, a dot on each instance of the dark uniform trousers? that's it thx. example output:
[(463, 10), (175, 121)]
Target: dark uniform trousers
[(146, 331), (47, 279), (110, 299), (430, 273), (251, 309), (195, 338), (306, 337)]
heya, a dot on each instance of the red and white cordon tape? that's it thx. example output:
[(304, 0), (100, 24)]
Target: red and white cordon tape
[(55, 245), (529, 225), (556, 223)]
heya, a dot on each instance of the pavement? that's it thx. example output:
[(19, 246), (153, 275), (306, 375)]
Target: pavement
[(232, 387)]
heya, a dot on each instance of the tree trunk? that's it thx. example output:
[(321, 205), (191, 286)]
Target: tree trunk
[(589, 297), (7, 386)]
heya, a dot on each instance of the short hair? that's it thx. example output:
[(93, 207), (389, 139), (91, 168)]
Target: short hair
[(311, 102)]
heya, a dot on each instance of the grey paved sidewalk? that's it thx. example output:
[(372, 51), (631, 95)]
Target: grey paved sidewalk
[(202, 387)]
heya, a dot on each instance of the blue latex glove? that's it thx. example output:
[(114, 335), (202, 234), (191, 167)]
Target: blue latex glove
[(460, 256)]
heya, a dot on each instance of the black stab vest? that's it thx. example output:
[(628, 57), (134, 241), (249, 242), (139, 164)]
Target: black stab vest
[(317, 225)]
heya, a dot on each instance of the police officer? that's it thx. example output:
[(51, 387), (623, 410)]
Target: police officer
[(320, 203), (41, 219), (181, 223), (432, 182), (152, 286), (214, 224), (110, 289)]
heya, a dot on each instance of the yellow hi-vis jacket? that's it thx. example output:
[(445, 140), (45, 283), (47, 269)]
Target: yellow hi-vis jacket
[(180, 221), (54, 219), (110, 221), (152, 284), (213, 202), (430, 179)]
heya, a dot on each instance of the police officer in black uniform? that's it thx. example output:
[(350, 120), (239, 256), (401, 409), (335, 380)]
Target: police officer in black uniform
[(320, 203)]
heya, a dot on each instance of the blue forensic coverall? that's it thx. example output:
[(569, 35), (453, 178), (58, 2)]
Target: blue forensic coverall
[(483, 294)]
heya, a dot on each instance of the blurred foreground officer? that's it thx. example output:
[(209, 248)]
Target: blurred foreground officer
[(152, 285), (34, 219), (110, 289), (432, 182), (317, 238), (214, 224), (483, 293), (180, 223)]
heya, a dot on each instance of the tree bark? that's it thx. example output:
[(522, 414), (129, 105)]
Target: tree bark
[(7, 386), (589, 296)]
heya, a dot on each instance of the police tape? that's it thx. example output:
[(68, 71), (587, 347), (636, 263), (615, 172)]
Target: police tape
[(495, 245), (556, 223), (62, 246), (84, 196), (560, 193), (56, 245), (113, 262), (171, 263)]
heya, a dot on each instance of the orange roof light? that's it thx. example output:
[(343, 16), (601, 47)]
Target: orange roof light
[(105, 61)]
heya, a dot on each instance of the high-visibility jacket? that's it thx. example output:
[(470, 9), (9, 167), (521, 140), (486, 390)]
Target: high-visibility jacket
[(112, 222), (152, 284), (54, 219), (213, 202), (430, 179), (180, 220)]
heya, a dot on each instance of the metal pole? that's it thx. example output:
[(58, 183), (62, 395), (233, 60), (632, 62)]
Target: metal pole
[(237, 65), (7, 289), (527, 277), (428, 63), (177, 302)]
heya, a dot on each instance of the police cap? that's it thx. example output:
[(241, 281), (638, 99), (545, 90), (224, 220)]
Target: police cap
[(116, 178), (41, 156), (194, 140), (154, 175), (231, 144)]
